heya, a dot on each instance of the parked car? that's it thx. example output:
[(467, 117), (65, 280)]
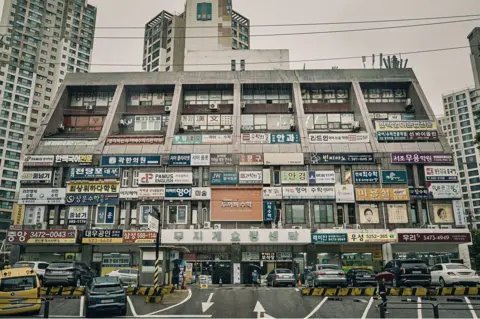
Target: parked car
[(453, 274), (326, 275), (281, 276), (67, 273), (409, 272), (38, 266), (361, 277), (128, 276), (19, 292), (105, 295)]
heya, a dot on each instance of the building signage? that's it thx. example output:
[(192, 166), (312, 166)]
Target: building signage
[(294, 177), (139, 237), (74, 159), (251, 159), (38, 160), (441, 173), (151, 193), (372, 237), (165, 178), (241, 236), (250, 256), (18, 214), (283, 159), (329, 238), (418, 192), (42, 196), (309, 192), (421, 158), (178, 192), (36, 177), (366, 177), (441, 237), (128, 193), (267, 256), (272, 193), (236, 204), (269, 211), (255, 138), (102, 236), (458, 213), (344, 193), (341, 158), (329, 138), (221, 159), (202, 139), (77, 215), (131, 160), (93, 187), (394, 177), (444, 190), (201, 193), (91, 199), (223, 178), (284, 138), (321, 177), (189, 160), (382, 194), (405, 125), (250, 177), (57, 236), (136, 140), (34, 215), (93, 172), (414, 136)]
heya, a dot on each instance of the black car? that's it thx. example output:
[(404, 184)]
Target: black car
[(409, 272), (67, 273), (105, 295), (361, 277)]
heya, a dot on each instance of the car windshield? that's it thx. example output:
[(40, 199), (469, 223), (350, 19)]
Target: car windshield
[(61, 265), (134, 272), (107, 288), (284, 271), (457, 267), (22, 265), (18, 283), (366, 270), (327, 267)]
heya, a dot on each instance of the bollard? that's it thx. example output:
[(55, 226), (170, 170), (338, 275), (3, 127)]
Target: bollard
[(46, 309), (436, 313), (382, 310)]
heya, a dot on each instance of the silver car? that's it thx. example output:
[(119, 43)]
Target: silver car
[(326, 275), (281, 276)]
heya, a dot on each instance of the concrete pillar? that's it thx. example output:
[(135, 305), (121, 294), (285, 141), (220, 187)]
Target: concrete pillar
[(87, 254), (311, 255), (237, 117), (300, 119), (174, 121), (15, 253), (387, 253)]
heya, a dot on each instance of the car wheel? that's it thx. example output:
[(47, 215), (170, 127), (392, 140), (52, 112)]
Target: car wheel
[(442, 282)]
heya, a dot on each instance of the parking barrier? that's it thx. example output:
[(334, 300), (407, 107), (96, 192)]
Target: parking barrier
[(372, 291), (435, 307), (80, 291)]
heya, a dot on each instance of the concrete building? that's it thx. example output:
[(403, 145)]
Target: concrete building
[(43, 42), (474, 40), (268, 168)]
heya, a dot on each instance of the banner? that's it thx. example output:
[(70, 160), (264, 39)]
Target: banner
[(321, 177), (135, 140), (309, 192), (329, 238), (440, 173), (394, 177), (422, 125), (93, 172), (382, 194), (151, 193), (283, 158), (372, 237), (329, 138), (77, 215), (34, 215), (397, 213), (221, 159), (251, 159), (250, 177), (38, 160), (270, 138), (201, 193), (102, 236), (294, 177), (458, 213), (368, 214), (441, 237), (443, 213), (421, 158), (39, 236), (341, 158), (91, 199), (366, 177), (407, 136), (223, 178), (236, 204), (46, 196), (139, 237), (202, 139), (418, 192), (189, 160), (18, 214), (93, 187), (178, 192), (272, 193), (284, 138), (165, 178), (131, 160), (128, 193), (444, 190), (36, 177), (269, 211), (344, 193), (74, 159)]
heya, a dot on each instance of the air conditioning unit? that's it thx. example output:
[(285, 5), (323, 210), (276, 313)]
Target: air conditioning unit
[(243, 105), (408, 105), (41, 225), (168, 108), (192, 226), (338, 228), (181, 129), (432, 226), (356, 226), (217, 226), (213, 106), (446, 226), (61, 128), (356, 127), (290, 107), (205, 183), (195, 184), (206, 225), (292, 125), (89, 107), (72, 227), (297, 227)]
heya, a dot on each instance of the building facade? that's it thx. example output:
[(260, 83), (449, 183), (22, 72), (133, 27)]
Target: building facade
[(43, 41), (244, 169), (474, 40)]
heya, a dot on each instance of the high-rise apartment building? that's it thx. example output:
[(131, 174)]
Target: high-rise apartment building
[(43, 41), (474, 39)]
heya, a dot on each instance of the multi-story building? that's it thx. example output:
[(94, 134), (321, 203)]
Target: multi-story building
[(474, 40), (266, 168), (42, 42)]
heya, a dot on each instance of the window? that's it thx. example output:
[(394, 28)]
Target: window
[(233, 63), (125, 178), (295, 214), (242, 65), (147, 210), (323, 213), (177, 214), (135, 178), (148, 123), (204, 11), (105, 215)]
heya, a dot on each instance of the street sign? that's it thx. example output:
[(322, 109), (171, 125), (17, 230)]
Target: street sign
[(152, 223)]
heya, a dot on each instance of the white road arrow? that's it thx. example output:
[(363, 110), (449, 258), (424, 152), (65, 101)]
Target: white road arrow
[(208, 304), (259, 309)]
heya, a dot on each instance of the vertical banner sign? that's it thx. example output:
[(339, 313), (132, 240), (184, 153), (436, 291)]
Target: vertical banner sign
[(18, 214), (268, 211)]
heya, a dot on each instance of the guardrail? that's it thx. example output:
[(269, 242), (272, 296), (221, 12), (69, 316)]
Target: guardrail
[(372, 291), (435, 307), (131, 291)]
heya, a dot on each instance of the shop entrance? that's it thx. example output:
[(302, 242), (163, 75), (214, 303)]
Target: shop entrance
[(247, 269)]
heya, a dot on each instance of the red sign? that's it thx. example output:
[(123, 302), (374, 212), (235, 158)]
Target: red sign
[(139, 237), (434, 238), (251, 159), (52, 236), (135, 140), (190, 256)]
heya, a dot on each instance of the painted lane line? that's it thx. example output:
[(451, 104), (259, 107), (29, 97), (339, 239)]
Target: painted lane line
[(316, 308), (132, 308), (82, 303), (170, 316), (472, 311), (208, 304), (365, 313), (419, 308), (172, 306)]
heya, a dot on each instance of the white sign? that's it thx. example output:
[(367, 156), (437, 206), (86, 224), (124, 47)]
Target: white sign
[(38, 160), (200, 160), (397, 213), (217, 139), (441, 173), (329, 138), (70, 142), (152, 223), (344, 193), (36, 177), (458, 213), (309, 192), (201, 193), (283, 159), (128, 193), (322, 177), (272, 193), (49, 196), (165, 178), (76, 213), (34, 215), (240, 236), (255, 138), (250, 177), (444, 190), (152, 193)]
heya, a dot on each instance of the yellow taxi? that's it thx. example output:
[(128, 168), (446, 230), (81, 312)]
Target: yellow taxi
[(19, 291)]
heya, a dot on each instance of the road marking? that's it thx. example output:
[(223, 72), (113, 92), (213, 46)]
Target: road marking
[(168, 316), (472, 311), (208, 304), (419, 308), (132, 308), (365, 313), (259, 309), (316, 308), (82, 301), (173, 306)]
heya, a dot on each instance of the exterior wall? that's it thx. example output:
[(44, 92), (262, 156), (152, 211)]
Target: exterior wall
[(474, 39)]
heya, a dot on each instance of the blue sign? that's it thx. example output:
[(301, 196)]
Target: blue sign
[(223, 178), (90, 199), (178, 192), (366, 177), (284, 138), (329, 238), (268, 211), (131, 160), (418, 192), (179, 160), (394, 177), (93, 172)]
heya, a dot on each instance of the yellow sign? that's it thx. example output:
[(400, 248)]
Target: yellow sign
[(382, 126), (93, 187), (203, 281), (377, 237), (102, 240), (382, 194), (18, 214)]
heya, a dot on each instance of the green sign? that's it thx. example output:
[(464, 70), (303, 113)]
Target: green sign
[(394, 177), (223, 178)]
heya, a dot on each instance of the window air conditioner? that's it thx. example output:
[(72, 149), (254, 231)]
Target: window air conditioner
[(72, 227), (243, 105), (217, 226), (432, 226), (297, 227), (445, 226), (205, 183), (206, 225), (338, 228), (408, 105), (213, 106), (41, 225), (168, 108), (290, 107), (89, 107), (356, 127)]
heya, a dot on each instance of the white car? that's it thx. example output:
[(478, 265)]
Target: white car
[(128, 276), (38, 266), (453, 274)]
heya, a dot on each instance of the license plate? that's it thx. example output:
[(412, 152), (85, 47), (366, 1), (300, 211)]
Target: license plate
[(366, 276), (416, 272), (285, 276), (107, 301), (57, 272)]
